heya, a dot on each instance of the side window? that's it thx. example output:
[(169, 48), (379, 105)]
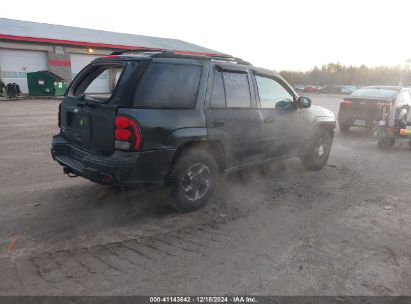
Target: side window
[(218, 95), (237, 90), (271, 92), (168, 85)]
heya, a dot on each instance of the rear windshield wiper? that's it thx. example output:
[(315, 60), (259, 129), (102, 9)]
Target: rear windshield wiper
[(90, 103), (86, 102)]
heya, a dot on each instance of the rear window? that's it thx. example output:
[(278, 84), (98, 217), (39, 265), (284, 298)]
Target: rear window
[(237, 90), (377, 93), (97, 82), (168, 85), (218, 95), (231, 90)]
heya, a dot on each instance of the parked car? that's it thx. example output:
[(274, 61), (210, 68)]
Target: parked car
[(362, 107), (311, 89), (299, 88), (182, 121), (331, 88), (348, 89)]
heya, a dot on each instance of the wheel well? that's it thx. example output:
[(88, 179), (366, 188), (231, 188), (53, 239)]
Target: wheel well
[(328, 128), (215, 148)]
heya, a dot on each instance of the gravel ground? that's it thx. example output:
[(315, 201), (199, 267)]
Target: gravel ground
[(276, 230)]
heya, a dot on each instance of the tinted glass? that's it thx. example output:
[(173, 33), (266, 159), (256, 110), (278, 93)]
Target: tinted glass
[(237, 90), (271, 92), (168, 85), (218, 96), (379, 93)]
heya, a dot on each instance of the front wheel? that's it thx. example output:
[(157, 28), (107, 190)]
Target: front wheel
[(317, 155), (192, 180)]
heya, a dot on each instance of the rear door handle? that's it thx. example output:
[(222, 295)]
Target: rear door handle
[(219, 122), (268, 120)]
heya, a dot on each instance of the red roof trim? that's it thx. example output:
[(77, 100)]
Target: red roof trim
[(59, 63), (70, 42), (94, 45)]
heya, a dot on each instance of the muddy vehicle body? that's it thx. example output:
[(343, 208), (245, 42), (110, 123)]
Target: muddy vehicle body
[(182, 121), (364, 106)]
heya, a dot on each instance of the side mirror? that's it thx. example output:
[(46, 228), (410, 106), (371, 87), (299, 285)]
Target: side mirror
[(284, 104), (303, 102)]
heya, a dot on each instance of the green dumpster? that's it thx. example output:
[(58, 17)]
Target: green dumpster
[(45, 83)]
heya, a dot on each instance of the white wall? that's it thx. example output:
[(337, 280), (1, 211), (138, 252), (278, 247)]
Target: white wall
[(78, 62), (14, 65)]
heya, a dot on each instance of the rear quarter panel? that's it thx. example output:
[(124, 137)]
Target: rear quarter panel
[(161, 128)]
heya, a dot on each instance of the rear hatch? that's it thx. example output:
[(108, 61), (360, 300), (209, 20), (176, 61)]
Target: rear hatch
[(365, 109), (88, 110), (362, 105)]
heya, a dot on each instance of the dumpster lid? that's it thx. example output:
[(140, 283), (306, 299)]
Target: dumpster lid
[(51, 75)]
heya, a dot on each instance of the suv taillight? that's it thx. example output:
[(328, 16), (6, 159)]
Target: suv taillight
[(127, 134), (345, 104)]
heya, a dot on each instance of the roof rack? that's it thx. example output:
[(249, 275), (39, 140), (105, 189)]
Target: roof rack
[(160, 52), (231, 59), (142, 50)]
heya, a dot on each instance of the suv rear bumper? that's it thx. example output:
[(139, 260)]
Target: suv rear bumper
[(120, 168)]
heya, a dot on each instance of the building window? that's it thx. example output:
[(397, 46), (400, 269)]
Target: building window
[(9, 74)]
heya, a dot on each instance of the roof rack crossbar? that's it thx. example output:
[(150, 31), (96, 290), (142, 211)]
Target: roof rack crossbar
[(142, 50), (232, 59), (160, 52)]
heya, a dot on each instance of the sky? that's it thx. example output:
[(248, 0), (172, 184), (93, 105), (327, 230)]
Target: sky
[(279, 35)]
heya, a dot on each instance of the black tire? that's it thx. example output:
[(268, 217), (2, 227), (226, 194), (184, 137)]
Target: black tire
[(344, 127), (192, 180), (385, 142), (318, 153)]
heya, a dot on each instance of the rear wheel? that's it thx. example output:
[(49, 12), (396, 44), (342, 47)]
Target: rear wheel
[(344, 127), (317, 155), (192, 180), (385, 142)]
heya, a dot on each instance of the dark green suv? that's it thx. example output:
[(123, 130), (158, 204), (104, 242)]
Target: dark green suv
[(182, 121)]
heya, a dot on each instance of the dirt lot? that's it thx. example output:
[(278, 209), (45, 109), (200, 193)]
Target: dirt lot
[(344, 230)]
